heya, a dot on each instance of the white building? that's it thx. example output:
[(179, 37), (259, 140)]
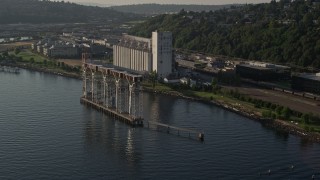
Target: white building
[(187, 81), (162, 53), (145, 55)]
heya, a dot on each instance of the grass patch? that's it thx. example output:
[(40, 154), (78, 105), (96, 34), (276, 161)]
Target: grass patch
[(26, 55), (310, 128), (158, 87), (206, 95)]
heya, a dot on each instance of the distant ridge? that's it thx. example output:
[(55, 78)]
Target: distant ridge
[(154, 9), (94, 4), (45, 11)]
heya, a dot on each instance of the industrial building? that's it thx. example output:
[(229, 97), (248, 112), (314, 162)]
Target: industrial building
[(262, 71), (306, 82), (133, 53), (70, 48), (58, 50), (145, 55)]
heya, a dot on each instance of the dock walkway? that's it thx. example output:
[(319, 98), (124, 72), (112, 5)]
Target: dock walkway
[(190, 133)]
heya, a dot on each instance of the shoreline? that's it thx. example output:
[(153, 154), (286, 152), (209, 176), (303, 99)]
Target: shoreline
[(45, 70), (278, 125)]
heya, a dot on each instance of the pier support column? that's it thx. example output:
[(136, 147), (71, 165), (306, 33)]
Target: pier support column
[(92, 87), (131, 89), (110, 93), (84, 85), (118, 89), (125, 100), (104, 90), (139, 104)]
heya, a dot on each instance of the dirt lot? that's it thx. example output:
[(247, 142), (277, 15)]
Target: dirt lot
[(293, 102), (71, 62), (4, 47)]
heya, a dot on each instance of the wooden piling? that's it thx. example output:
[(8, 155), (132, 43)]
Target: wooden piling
[(119, 116)]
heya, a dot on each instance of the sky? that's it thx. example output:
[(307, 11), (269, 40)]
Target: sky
[(204, 2)]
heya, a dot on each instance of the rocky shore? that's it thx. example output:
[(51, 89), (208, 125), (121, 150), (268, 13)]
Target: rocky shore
[(277, 124)]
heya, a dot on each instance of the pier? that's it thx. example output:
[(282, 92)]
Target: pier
[(118, 94), (112, 91)]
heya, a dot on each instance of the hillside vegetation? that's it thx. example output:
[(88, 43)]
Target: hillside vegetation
[(152, 9), (45, 11), (281, 32)]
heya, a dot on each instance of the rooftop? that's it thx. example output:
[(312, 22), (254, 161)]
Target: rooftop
[(311, 76), (264, 66), (136, 38), (135, 42)]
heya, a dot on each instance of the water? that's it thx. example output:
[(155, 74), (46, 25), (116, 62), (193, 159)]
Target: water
[(45, 133)]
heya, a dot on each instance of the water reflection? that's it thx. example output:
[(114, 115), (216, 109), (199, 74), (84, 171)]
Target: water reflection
[(154, 109), (154, 104), (278, 134), (130, 148), (304, 143), (282, 135), (107, 135), (308, 154)]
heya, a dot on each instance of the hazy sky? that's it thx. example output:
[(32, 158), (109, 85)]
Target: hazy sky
[(211, 2)]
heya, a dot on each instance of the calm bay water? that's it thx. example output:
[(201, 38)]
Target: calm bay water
[(45, 133)]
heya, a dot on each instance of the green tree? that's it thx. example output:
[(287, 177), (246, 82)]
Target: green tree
[(214, 82), (267, 114), (17, 51), (45, 62), (308, 19), (5, 54), (279, 110), (154, 78), (32, 60), (306, 118), (286, 113)]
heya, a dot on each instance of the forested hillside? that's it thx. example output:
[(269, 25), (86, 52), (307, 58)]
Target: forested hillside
[(45, 11), (282, 32), (151, 9)]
